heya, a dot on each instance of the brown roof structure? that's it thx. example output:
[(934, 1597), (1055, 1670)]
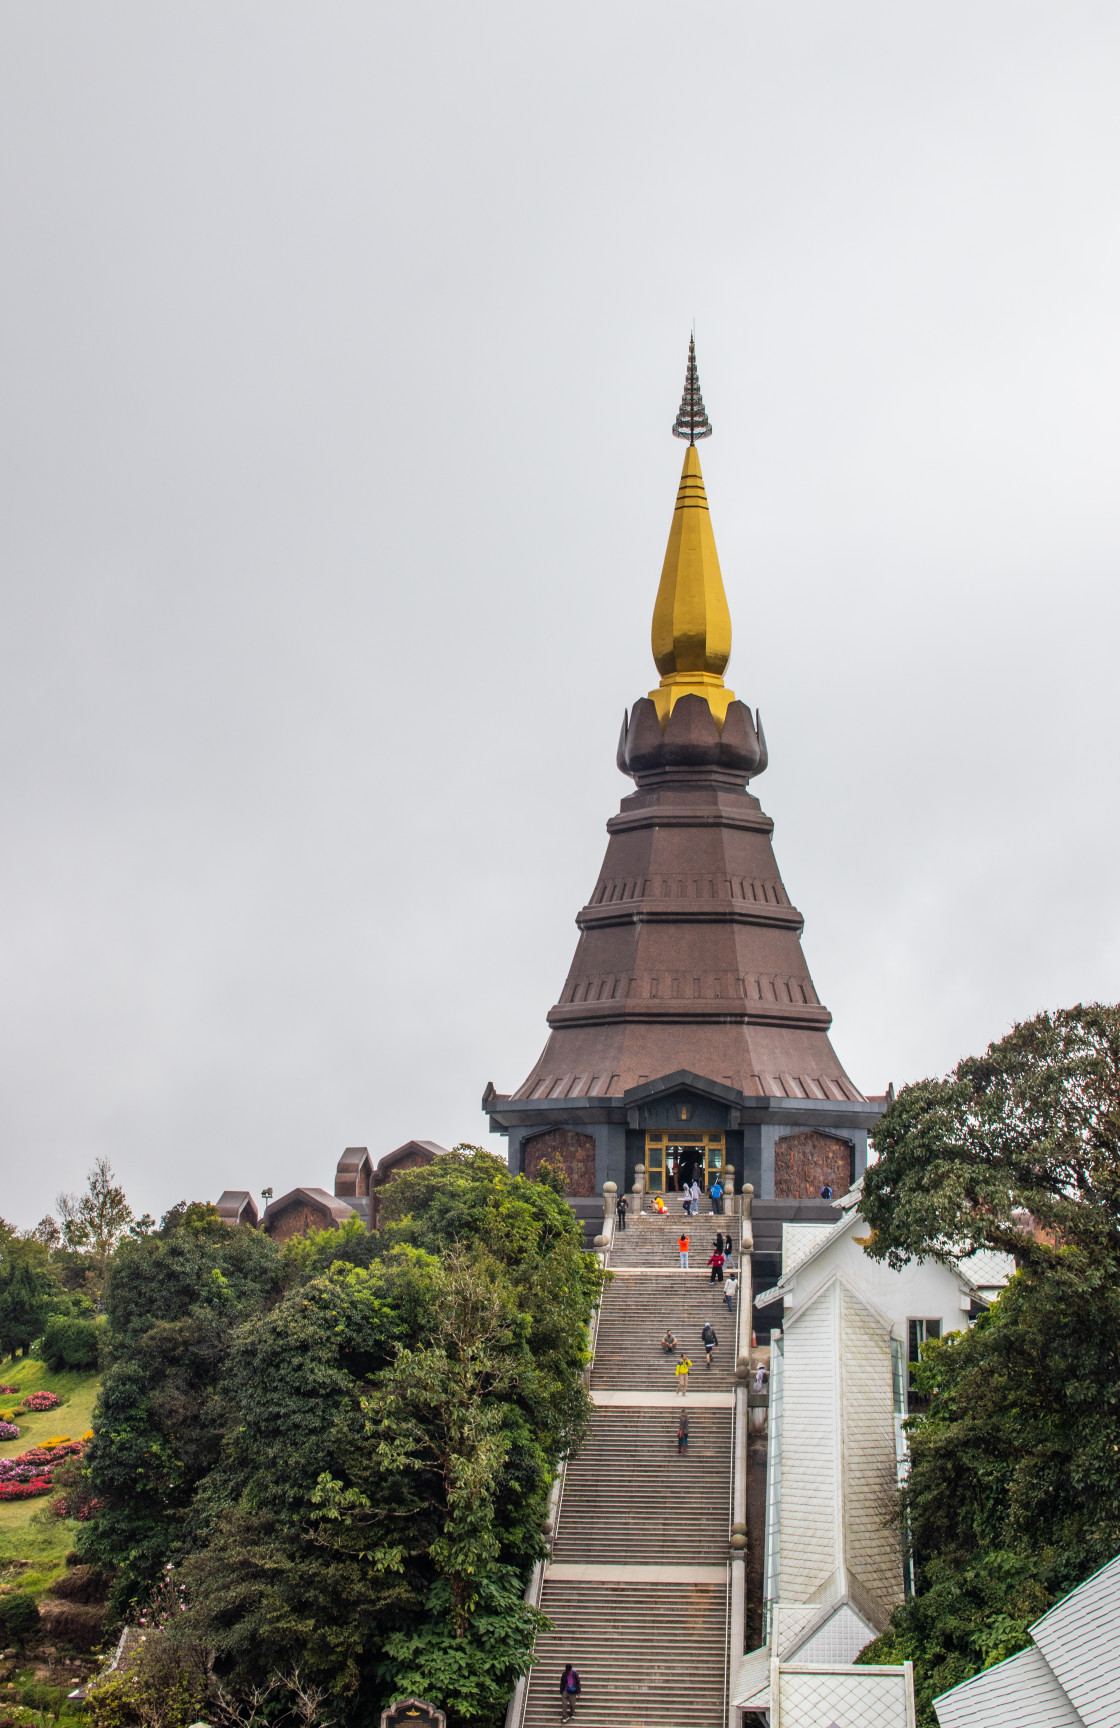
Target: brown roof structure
[(358, 1180), (688, 995), (689, 953), (237, 1206), (301, 1210)]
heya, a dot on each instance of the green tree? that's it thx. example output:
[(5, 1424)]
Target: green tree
[(94, 1222), (394, 1430), (316, 1252), (469, 1199), (174, 1301), (1013, 1493), (27, 1290), (1026, 1135)]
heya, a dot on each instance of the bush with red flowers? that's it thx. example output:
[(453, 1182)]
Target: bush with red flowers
[(24, 1490), (7, 1389), (42, 1401), (8, 1431), (30, 1474)]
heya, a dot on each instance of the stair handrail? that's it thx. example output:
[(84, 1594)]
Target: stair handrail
[(534, 1589), (592, 1341)]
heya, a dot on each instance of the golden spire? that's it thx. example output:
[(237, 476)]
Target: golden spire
[(691, 623)]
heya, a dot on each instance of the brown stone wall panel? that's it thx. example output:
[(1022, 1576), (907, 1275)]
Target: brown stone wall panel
[(411, 1161), (297, 1221), (573, 1153), (806, 1163)]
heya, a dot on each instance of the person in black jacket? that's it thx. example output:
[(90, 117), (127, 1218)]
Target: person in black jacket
[(570, 1689), (709, 1340)]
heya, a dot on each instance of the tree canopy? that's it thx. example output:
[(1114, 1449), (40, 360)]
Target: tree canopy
[(1013, 1493), (346, 1446), (1026, 1135)]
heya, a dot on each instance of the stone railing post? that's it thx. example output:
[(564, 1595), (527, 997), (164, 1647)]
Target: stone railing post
[(639, 1189), (610, 1195), (730, 1204), (746, 1233)]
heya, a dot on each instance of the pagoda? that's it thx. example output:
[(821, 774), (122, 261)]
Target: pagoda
[(688, 1039)]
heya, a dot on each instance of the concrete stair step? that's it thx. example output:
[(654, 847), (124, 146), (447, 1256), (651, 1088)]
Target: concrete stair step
[(634, 1314), (650, 1654), (647, 1654)]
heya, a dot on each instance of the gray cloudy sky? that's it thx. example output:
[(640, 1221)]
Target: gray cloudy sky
[(341, 344)]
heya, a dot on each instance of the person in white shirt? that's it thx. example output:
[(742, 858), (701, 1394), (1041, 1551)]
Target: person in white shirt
[(730, 1291)]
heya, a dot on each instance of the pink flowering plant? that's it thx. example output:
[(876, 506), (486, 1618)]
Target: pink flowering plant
[(8, 1431), (42, 1401)]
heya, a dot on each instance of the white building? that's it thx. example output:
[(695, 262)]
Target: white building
[(838, 1398), (938, 1298)]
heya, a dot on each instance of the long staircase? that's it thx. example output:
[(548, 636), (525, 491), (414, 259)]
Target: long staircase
[(638, 1584)]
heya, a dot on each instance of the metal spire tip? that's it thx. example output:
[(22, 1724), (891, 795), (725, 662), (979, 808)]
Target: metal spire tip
[(692, 420)]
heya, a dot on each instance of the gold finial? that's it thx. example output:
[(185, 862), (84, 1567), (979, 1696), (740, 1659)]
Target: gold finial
[(691, 621)]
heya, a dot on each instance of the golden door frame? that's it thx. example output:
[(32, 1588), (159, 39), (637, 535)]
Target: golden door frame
[(661, 1150)]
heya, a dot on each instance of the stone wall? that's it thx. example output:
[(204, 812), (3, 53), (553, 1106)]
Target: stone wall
[(573, 1153), (806, 1163), (298, 1220)]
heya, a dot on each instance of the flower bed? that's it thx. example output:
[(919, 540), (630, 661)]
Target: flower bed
[(42, 1401), (24, 1490), (30, 1474), (8, 1431), (5, 1390)]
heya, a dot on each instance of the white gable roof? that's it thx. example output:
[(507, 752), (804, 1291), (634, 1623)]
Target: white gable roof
[(800, 1240), (1080, 1639), (810, 1252), (834, 1463), (1018, 1693), (1068, 1678)]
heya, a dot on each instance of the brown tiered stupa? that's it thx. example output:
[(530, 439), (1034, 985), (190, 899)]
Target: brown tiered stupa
[(688, 1037)]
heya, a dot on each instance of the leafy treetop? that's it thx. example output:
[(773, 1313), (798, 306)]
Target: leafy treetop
[(1017, 1150)]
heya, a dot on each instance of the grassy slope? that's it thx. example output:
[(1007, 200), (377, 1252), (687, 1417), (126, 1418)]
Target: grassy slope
[(40, 1542)]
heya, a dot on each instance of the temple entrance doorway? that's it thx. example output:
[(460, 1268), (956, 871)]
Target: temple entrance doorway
[(675, 1160)]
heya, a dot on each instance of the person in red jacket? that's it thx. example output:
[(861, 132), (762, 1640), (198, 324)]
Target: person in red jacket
[(716, 1264)]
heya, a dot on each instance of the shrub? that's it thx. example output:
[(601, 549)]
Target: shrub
[(8, 1431), (19, 1617), (70, 1342), (163, 1686), (42, 1401), (6, 1390)]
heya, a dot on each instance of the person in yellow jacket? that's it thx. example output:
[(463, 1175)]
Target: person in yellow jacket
[(681, 1372)]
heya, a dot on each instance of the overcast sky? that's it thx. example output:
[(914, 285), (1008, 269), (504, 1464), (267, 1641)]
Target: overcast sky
[(341, 344)]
